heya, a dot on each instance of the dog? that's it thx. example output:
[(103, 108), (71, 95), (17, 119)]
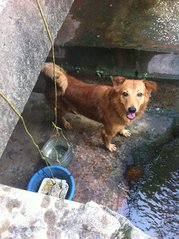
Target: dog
[(114, 106)]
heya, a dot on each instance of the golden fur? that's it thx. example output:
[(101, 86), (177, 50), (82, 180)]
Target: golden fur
[(114, 106)]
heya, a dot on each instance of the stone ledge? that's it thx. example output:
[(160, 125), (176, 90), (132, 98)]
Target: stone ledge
[(31, 215)]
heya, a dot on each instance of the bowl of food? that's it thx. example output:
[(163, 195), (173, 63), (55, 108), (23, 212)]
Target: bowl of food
[(54, 181)]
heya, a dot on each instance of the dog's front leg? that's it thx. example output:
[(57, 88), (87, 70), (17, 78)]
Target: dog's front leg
[(107, 137), (125, 132), (64, 122)]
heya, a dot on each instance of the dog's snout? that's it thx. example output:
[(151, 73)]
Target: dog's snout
[(132, 109)]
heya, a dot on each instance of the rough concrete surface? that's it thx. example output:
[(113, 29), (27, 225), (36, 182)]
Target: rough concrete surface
[(49, 217), (133, 24), (164, 64), (24, 46), (145, 30)]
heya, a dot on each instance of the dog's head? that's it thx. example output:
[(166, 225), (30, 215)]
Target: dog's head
[(133, 95)]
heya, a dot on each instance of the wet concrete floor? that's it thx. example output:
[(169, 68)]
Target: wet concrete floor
[(99, 174)]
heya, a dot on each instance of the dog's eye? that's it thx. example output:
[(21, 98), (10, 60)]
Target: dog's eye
[(139, 94), (125, 94)]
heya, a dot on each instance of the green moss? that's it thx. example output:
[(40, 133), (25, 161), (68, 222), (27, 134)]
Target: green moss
[(146, 153), (103, 24), (126, 29), (159, 158), (124, 232)]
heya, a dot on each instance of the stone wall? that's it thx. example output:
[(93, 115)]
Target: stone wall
[(131, 37), (132, 63), (133, 24)]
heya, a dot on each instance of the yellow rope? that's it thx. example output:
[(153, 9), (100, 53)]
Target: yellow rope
[(57, 133), (56, 128), (24, 124), (53, 58)]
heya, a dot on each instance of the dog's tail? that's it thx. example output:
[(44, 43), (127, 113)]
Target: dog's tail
[(60, 76)]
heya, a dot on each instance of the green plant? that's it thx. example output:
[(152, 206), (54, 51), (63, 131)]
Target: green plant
[(99, 73), (77, 70), (145, 76)]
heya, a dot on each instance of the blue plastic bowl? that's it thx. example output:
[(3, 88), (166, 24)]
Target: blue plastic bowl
[(58, 172)]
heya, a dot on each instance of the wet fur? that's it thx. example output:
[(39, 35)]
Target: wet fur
[(105, 104)]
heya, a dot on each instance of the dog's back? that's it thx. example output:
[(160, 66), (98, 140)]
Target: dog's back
[(86, 99), (75, 95)]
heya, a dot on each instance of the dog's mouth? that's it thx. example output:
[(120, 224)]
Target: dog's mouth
[(131, 116)]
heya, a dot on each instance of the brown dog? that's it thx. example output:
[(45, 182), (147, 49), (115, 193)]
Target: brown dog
[(115, 106)]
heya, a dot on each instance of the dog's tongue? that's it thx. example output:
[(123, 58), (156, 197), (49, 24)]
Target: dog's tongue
[(131, 116)]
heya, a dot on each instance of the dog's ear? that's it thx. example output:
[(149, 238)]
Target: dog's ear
[(150, 85), (118, 80)]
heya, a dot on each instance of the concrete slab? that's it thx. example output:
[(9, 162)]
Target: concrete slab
[(147, 25), (31, 215), (24, 46), (128, 38)]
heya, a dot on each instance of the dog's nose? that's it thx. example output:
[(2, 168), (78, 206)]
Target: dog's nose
[(132, 109)]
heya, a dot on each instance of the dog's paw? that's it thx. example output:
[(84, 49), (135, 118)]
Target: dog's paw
[(111, 147), (126, 133), (67, 125)]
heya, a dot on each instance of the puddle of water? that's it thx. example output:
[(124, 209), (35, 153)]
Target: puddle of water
[(155, 211), (152, 203)]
